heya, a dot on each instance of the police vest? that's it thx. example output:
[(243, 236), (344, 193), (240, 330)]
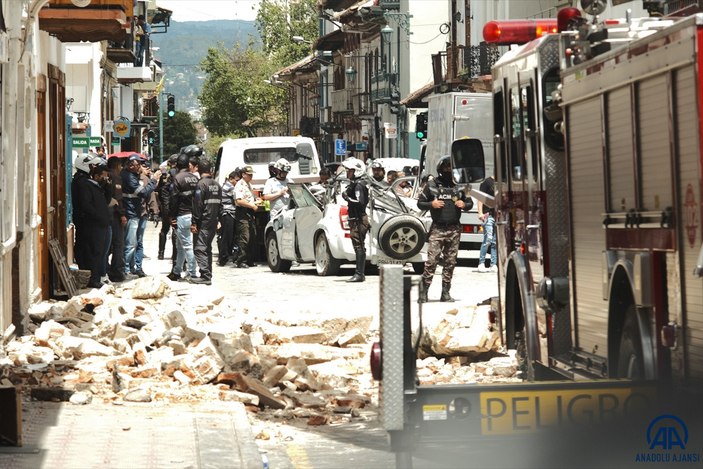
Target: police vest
[(448, 214)]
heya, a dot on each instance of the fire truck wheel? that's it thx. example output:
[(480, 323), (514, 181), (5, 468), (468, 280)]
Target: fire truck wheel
[(273, 256), (525, 365), (630, 356), (402, 237), (325, 264)]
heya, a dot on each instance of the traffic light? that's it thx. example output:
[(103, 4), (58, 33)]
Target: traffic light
[(151, 137), (171, 106), (395, 102), (421, 126)]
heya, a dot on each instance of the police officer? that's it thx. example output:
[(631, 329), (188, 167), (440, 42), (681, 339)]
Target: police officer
[(247, 204), (181, 211), (445, 201), (276, 188), (91, 215), (357, 197), (226, 245), (378, 173), (163, 190), (206, 212)]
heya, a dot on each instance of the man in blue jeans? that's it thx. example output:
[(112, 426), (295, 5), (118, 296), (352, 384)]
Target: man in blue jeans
[(181, 212), (487, 215), (134, 193)]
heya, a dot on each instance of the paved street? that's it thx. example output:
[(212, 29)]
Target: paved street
[(220, 434)]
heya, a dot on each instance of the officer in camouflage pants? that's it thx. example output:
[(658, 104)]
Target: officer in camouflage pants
[(445, 203)]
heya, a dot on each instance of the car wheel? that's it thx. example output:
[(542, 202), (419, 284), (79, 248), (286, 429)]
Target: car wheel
[(402, 237), (325, 264), (273, 256)]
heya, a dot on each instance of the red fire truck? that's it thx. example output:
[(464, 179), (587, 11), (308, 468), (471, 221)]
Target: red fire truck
[(599, 170), (598, 203)]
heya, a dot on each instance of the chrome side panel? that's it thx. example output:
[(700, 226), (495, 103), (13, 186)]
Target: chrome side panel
[(690, 348), (586, 187)]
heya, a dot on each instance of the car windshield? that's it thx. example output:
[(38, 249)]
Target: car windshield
[(302, 196)]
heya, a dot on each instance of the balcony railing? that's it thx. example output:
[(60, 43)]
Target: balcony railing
[(341, 101), (381, 95), (362, 104)]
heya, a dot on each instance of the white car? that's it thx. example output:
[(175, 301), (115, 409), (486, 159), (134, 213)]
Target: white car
[(316, 229)]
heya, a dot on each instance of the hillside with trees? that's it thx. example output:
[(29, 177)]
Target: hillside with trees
[(186, 44)]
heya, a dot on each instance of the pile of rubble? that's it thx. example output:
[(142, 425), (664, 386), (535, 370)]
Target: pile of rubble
[(146, 341)]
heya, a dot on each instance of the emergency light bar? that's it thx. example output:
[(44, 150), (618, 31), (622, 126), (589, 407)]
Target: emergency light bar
[(503, 33), (506, 32)]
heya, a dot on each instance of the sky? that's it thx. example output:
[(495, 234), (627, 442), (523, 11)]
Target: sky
[(204, 10)]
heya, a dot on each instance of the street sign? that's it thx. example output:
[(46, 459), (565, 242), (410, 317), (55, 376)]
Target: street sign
[(80, 142), (340, 147)]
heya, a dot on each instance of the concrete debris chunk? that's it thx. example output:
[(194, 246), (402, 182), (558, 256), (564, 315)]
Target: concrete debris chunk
[(256, 387), (149, 287)]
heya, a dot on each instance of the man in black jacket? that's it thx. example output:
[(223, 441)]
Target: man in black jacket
[(445, 202), (91, 215), (206, 211), (226, 244), (134, 193), (181, 211)]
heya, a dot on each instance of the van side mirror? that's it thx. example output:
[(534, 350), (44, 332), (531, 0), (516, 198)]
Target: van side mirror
[(468, 160)]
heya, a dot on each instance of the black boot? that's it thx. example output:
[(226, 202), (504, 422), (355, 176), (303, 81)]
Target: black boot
[(162, 244), (360, 268), (424, 288), (445, 292)]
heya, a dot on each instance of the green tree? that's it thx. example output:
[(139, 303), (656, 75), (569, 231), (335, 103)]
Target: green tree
[(178, 132), (235, 98), (279, 20)]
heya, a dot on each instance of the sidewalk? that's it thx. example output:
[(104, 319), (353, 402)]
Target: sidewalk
[(205, 434), (162, 435)]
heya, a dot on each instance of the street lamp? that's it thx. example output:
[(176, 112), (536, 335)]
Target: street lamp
[(351, 73), (386, 32)]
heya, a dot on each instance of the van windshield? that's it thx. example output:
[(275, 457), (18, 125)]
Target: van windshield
[(267, 155)]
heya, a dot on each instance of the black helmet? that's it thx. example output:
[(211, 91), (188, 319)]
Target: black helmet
[(182, 161), (445, 161), (192, 150), (173, 159)]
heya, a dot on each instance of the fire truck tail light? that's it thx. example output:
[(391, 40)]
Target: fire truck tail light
[(517, 31), (375, 358)]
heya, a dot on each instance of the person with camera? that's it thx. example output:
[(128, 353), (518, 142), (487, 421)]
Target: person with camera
[(135, 192)]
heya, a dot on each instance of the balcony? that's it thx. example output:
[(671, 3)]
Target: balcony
[(126, 75), (362, 105), (341, 101), (381, 95), (102, 20)]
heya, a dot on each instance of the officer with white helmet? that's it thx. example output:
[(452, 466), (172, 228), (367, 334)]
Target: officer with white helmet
[(357, 197), (91, 215), (276, 188)]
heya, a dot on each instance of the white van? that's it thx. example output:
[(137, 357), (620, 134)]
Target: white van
[(257, 152)]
